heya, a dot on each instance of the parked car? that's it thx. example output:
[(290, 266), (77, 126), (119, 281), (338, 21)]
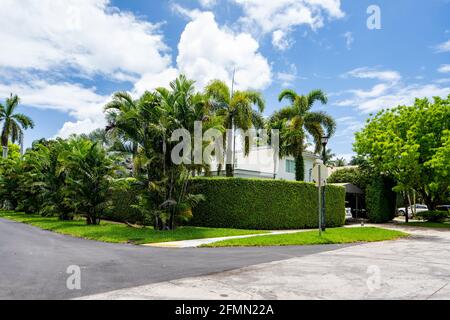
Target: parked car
[(419, 208), (348, 213), (443, 207)]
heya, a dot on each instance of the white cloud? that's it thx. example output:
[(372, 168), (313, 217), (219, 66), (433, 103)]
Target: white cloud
[(288, 77), (445, 68), (81, 126), (208, 3), (84, 104), (389, 94), (267, 16), (208, 52), (443, 47), (281, 40), (373, 73), (87, 35), (349, 39)]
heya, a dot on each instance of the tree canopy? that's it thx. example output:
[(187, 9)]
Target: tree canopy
[(411, 144)]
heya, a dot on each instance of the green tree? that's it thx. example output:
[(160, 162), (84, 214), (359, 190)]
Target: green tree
[(13, 123), (410, 143), (89, 180), (238, 113), (297, 119)]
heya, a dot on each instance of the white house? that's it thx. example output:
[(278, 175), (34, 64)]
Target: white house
[(261, 163)]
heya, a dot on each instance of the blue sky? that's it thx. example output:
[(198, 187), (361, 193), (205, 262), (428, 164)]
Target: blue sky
[(66, 58)]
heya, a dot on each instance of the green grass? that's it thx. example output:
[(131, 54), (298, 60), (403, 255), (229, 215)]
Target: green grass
[(331, 236), (439, 225), (120, 233)]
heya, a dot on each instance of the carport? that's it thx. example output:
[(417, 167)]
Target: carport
[(354, 198)]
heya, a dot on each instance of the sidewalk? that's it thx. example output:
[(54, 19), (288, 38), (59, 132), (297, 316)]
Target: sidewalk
[(199, 242)]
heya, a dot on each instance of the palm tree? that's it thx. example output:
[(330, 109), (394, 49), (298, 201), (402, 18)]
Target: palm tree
[(340, 162), (295, 120), (13, 123), (237, 110), (328, 155)]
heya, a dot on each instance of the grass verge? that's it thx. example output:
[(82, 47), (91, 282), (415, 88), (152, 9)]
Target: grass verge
[(331, 236), (120, 233)]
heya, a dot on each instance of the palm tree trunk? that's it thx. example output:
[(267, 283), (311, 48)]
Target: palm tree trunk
[(229, 155), (4, 139), (299, 167)]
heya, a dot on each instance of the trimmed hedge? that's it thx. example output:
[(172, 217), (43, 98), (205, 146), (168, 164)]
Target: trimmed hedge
[(264, 204), (433, 216), (381, 200)]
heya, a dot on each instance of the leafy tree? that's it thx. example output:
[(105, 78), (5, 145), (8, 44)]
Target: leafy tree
[(410, 143), (13, 123), (238, 113), (293, 121)]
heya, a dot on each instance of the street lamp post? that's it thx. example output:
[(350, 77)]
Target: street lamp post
[(324, 141)]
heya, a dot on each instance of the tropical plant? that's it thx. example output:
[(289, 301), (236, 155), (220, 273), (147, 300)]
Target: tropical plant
[(296, 120), (145, 126), (339, 162), (238, 113), (89, 178), (327, 156), (13, 123)]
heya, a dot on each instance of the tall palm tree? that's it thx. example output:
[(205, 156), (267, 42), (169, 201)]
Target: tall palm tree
[(13, 123), (296, 120), (237, 110)]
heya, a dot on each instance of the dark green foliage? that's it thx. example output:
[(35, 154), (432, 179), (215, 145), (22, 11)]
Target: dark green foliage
[(354, 176), (299, 167), (433, 216), (380, 199), (264, 204)]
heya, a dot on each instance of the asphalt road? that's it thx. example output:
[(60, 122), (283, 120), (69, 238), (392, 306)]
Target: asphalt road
[(33, 262)]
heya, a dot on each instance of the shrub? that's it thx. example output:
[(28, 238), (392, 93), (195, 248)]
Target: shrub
[(264, 204), (433, 216), (380, 199)]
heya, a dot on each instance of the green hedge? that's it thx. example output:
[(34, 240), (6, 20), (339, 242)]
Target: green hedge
[(264, 204), (380, 200)]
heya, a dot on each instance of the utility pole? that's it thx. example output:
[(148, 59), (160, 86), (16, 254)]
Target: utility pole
[(234, 126)]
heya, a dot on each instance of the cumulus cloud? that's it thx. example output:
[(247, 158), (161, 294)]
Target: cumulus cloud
[(390, 93), (443, 47), (445, 68), (84, 104), (207, 3), (284, 15), (58, 39), (88, 35), (281, 40), (208, 52)]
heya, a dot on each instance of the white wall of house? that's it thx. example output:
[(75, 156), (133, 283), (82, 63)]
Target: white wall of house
[(260, 163)]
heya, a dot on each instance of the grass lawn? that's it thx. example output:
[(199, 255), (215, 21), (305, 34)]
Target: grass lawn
[(120, 233), (331, 236), (440, 225)]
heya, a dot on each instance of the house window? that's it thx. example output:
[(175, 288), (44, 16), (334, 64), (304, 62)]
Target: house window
[(290, 166)]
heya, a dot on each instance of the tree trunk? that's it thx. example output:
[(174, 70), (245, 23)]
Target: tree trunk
[(299, 167)]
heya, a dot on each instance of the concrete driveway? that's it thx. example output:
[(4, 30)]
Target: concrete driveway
[(414, 268), (34, 262)]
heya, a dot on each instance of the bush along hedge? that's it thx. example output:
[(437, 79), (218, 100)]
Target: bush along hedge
[(433, 216), (380, 199), (264, 204)]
